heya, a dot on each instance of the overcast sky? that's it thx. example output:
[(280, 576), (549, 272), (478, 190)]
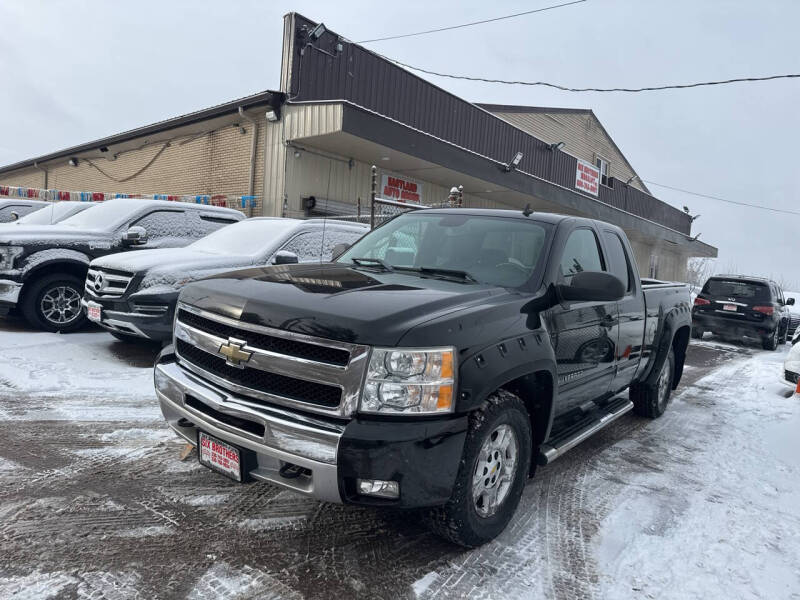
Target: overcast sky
[(73, 71)]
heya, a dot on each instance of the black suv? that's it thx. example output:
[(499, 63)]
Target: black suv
[(737, 305)]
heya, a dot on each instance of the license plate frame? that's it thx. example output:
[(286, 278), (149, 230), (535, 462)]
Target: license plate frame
[(206, 454), (94, 312), (730, 307)]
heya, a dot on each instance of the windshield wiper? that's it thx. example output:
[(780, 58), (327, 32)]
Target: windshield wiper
[(454, 273), (365, 262)]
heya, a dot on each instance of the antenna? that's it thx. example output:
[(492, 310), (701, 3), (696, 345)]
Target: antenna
[(528, 210)]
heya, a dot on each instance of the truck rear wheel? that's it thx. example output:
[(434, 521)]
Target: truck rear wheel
[(651, 399), (492, 475), (53, 303)]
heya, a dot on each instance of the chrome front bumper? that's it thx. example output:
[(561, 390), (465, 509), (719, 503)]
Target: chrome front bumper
[(9, 291), (288, 437)]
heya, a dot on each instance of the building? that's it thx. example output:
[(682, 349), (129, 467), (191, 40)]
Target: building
[(308, 148)]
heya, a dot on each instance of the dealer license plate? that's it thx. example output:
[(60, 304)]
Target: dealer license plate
[(94, 311), (731, 307), (219, 456)]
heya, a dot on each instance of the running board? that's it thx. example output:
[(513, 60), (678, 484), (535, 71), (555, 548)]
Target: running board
[(583, 429)]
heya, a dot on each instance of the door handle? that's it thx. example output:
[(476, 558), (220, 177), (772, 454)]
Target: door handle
[(609, 321)]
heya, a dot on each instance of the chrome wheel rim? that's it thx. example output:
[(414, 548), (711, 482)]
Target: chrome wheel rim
[(663, 384), (495, 470), (61, 305)]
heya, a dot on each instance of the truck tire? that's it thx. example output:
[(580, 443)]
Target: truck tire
[(53, 303), (651, 399), (494, 469), (771, 341)]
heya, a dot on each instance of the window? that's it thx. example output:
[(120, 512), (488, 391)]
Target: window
[(581, 253), (605, 171), (163, 225), (618, 262), (734, 288), (310, 246), (653, 273)]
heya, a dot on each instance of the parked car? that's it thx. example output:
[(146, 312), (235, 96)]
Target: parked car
[(12, 209), (433, 365), (794, 313), (43, 267), (53, 212), (791, 366), (738, 305), (134, 295)]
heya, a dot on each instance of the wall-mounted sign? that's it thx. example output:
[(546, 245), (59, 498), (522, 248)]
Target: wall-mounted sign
[(401, 189), (587, 178)]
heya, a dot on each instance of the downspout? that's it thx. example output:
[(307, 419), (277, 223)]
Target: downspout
[(253, 142), (46, 173)]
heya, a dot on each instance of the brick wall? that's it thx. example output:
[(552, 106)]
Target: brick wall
[(214, 163)]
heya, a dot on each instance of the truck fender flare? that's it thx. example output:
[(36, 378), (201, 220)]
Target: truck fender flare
[(665, 336), (45, 258), (519, 374)]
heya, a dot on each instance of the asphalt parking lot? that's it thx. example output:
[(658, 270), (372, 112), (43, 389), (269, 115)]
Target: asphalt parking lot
[(95, 501)]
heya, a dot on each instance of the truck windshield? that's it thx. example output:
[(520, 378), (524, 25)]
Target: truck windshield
[(487, 249), (249, 237), (53, 213)]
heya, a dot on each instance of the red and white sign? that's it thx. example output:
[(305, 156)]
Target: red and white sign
[(220, 456), (587, 178), (401, 189)]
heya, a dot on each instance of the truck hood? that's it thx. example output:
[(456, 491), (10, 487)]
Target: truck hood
[(334, 301), (170, 260), (49, 235)]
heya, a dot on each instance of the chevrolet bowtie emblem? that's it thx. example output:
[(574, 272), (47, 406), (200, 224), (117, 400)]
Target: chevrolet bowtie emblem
[(234, 353)]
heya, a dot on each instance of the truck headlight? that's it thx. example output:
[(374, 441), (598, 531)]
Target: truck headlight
[(7, 256), (409, 380)]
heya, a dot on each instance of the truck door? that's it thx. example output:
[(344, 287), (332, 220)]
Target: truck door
[(631, 311), (583, 334)]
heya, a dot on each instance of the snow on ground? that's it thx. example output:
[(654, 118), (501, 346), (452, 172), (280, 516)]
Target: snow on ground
[(81, 370), (721, 520), (95, 501)]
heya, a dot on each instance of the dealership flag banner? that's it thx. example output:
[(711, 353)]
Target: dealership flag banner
[(56, 195), (587, 178)]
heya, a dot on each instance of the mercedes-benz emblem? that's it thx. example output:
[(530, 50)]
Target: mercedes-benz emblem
[(98, 282)]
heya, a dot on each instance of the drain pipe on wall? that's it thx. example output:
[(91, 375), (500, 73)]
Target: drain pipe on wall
[(253, 142), (46, 172)]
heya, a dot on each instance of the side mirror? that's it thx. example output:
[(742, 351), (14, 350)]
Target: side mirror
[(790, 301), (14, 215), (338, 250), (592, 286), (135, 236), (284, 257)]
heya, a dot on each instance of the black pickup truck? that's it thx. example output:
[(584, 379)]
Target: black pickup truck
[(43, 267), (434, 364)]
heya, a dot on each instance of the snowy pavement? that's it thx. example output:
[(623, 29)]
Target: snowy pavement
[(95, 503)]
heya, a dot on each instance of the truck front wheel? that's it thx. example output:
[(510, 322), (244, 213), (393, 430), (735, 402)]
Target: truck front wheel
[(651, 399), (492, 475), (53, 303)]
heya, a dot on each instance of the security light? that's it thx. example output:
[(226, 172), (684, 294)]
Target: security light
[(631, 179), (73, 162), (273, 115), (557, 146), (514, 162), (686, 209), (317, 32)]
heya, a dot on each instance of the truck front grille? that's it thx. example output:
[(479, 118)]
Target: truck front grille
[(107, 283), (262, 381), (314, 352), (272, 366)]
